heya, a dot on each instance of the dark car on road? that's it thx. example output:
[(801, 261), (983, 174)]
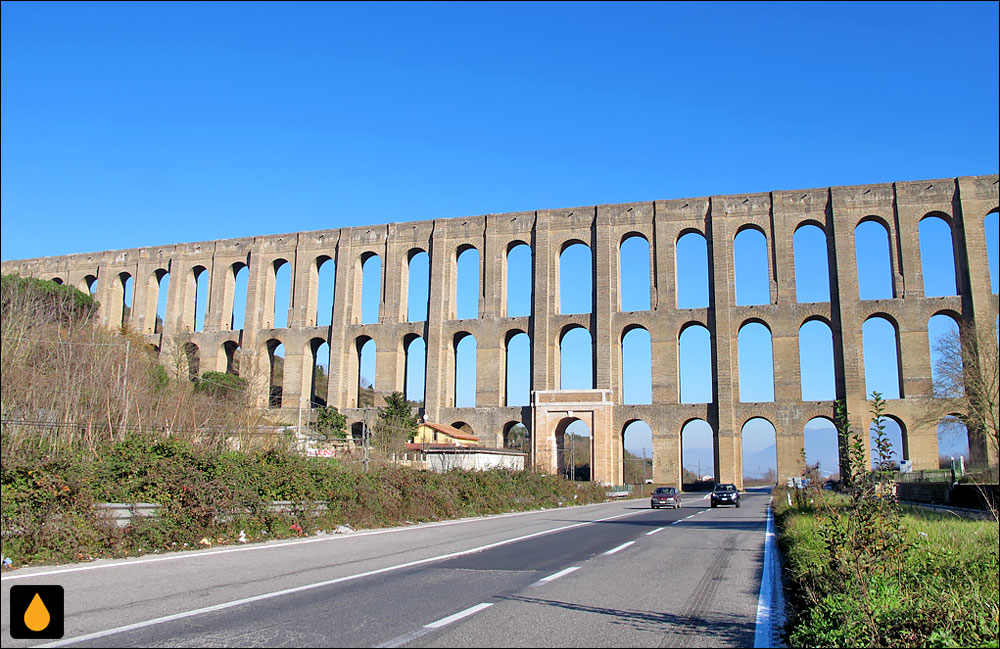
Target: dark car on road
[(665, 497), (725, 494)]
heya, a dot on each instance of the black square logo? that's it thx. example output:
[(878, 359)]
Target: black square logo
[(36, 612)]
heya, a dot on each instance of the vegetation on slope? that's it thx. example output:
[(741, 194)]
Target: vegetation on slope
[(92, 416), (49, 495)]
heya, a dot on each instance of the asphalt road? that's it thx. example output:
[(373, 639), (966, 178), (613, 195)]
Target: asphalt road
[(615, 574)]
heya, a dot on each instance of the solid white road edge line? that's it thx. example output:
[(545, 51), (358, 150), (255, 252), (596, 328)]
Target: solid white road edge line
[(328, 582), (771, 602)]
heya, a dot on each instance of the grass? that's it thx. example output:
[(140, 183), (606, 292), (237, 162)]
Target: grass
[(935, 584)]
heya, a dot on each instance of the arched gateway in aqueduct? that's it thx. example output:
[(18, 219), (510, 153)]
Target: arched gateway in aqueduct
[(963, 203)]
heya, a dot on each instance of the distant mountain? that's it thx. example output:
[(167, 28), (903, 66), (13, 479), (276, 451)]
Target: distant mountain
[(756, 464)]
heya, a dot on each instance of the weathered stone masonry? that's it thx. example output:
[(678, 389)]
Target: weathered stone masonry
[(963, 202)]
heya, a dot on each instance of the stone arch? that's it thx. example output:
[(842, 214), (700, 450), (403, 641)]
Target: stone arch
[(756, 361), (821, 446), (518, 279), (325, 269), (367, 352), (695, 364), (817, 361), (88, 284), (231, 350), (759, 451), (237, 286), (636, 364), (516, 436), (895, 432), (281, 278), (319, 374), (160, 279), (691, 254), (465, 349), (464, 427), (637, 467), (635, 272), (468, 282), (944, 332), (127, 289), (873, 256), (569, 452), (751, 264), (199, 298), (937, 254), (193, 356), (57, 280), (699, 452), (517, 368), (954, 441), (276, 372), (370, 267), (810, 244), (416, 284), (415, 354), (576, 273), (576, 358), (882, 356)]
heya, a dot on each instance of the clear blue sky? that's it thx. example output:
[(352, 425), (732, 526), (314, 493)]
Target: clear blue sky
[(127, 125), (142, 124)]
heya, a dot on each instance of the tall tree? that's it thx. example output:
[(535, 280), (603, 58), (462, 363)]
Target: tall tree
[(396, 424)]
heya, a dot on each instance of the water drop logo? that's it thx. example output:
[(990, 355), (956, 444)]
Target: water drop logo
[(36, 612), (37, 616)]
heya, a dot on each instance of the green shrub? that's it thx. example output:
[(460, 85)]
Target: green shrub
[(220, 385), (59, 301), (48, 497)]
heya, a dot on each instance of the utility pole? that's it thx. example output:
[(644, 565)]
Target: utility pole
[(125, 390), (572, 453), (298, 429), (365, 437)]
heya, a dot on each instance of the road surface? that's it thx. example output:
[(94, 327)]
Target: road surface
[(608, 575)]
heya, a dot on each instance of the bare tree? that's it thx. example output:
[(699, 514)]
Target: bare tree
[(68, 380), (967, 384)]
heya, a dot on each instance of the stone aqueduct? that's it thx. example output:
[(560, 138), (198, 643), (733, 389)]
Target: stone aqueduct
[(963, 202)]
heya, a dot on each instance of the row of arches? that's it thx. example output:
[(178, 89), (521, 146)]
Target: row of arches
[(752, 266), (818, 380), (820, 448)]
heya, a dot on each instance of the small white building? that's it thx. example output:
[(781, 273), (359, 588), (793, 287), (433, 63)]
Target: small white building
[(443, 459)]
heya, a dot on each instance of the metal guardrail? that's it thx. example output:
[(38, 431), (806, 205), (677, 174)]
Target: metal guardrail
[(980, 475), (623, 491), (930, 475)]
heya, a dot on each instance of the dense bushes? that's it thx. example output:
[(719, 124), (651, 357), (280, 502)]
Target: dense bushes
[(937, 585), (48, 497)]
